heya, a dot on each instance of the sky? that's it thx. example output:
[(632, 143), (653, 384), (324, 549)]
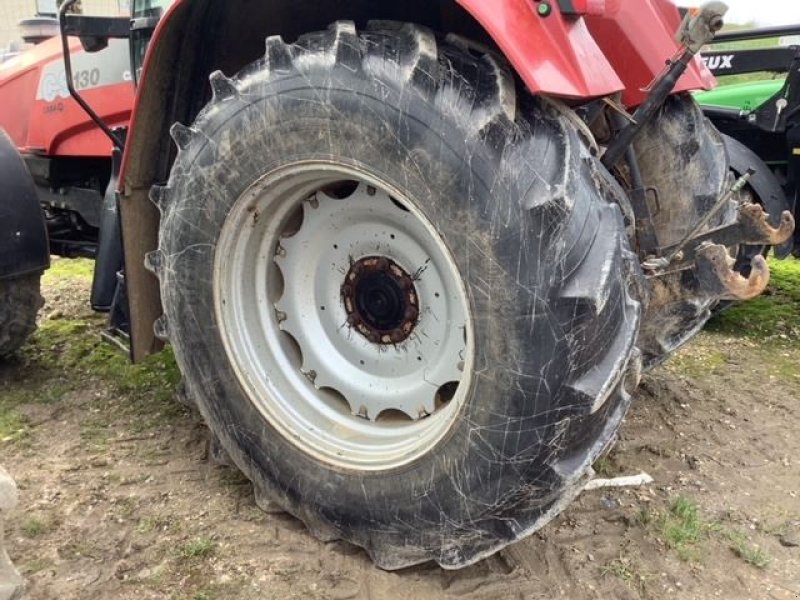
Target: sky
[(762, 12)]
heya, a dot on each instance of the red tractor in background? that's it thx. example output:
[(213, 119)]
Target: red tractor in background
[(68, 156), (410, 257)]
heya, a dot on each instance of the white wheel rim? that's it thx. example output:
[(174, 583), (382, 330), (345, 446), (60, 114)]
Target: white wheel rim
[(326, 387)]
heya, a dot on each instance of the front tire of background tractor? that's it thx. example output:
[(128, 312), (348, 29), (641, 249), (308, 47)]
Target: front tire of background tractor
[(396, 292), (20, 301)]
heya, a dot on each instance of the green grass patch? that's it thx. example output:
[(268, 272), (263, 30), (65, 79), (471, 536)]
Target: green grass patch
[(69, 268), (158, 524), (604, 467), (13, 427), (745, 45), (63, 356), (748, 552), (749, 78), (64, 352), (199, 548), (75, 346), (684, 530), (776, 313), (95, 433), (16, 392), (33, 526)]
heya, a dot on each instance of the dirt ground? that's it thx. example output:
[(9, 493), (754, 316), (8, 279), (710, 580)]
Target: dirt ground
[(119, 500)]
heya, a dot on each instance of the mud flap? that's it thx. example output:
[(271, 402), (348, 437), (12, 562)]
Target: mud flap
[(683, 159), (23, 235)]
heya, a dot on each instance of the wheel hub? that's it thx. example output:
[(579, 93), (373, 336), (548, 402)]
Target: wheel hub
[(380, 299)]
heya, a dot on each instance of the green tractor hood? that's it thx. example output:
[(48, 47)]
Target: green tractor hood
[(744, 96)]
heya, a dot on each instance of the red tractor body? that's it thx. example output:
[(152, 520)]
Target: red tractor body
[(40, 116)]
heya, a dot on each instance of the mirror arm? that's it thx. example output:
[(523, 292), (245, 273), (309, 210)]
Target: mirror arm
[(62, 21)]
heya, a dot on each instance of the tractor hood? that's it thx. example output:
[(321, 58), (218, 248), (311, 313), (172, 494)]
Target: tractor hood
[(36, 109), (743, 96), (30, 58)]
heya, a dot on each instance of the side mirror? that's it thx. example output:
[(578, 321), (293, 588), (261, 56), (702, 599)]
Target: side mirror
[(94, 32)]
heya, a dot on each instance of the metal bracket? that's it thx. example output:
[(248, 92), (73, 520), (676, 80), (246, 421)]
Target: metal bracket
[(752, 228)]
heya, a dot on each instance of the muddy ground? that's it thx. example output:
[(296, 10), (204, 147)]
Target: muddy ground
[(119, 499)]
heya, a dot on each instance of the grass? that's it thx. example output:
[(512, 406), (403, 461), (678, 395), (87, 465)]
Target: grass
[(33, 526), (126, 507), (76, 346), (684, 530), (69, 268), (777, 313), (629, 571), (199, 548), (749, 553), (13, 427), (606, 466), (36, 565), (745, 45), (66, 353), (73, 550), (159, 524)]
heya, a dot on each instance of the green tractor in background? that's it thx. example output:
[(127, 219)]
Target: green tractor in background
[(758, 112)]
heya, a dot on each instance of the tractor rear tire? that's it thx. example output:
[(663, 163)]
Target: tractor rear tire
[(20, 301), (346, 179)]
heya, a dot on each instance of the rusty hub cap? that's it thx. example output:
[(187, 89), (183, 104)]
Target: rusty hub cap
[(380, 300)]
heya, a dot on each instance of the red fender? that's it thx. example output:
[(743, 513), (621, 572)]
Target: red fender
[(637, 36), (554, 55), (604, 47)]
